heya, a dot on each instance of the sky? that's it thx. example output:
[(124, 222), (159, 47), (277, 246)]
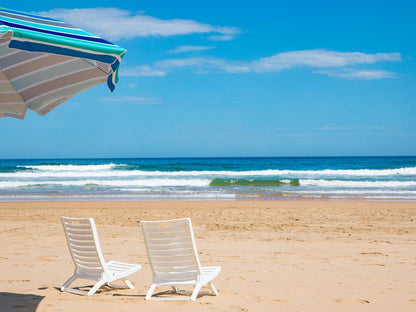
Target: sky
[(235, 79)]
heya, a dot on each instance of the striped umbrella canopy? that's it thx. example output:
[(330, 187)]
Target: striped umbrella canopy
[(44, 62)]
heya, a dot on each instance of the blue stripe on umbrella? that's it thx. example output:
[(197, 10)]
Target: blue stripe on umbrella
[(39, 47), (50, 32)]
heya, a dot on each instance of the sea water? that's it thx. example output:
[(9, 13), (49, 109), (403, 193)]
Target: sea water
[(367, 178)]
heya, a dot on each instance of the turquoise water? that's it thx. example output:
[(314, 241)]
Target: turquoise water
[(377, 178)]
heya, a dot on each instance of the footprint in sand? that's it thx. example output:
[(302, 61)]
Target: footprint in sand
[(375, 253), (15, 281), (236, 277), (256, 299), (282, 253), (386, 242), (236, 308), (47, 258), (351, 300), (325, 260), (280, 301), (228, 293)]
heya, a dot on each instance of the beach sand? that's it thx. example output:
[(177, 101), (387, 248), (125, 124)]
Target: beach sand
[(275, 255)]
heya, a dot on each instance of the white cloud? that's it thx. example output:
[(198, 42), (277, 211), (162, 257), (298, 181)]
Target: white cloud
[(221, 37), (319, 59), (358, 74), (236, 67), (189, 48), (144, 70), (132, 100), (204, 65), (331, 63), (189, 62), (115, 24)]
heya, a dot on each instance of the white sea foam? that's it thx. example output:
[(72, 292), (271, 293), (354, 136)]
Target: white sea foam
[(141, 196), (112, 183), (356, 191), (358, 184), (367, 193), (109, 170), (68, 174), (62, 167)]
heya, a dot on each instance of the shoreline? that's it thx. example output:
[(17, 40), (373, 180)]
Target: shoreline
[(237, 198), (275, 255)]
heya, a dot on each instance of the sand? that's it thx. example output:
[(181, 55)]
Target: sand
[(275, 255)]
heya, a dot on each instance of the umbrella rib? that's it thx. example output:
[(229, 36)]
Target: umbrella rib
[(91, 63)]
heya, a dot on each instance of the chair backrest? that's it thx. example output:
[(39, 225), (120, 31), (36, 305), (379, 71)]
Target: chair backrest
[(81, 236), (171, 249)]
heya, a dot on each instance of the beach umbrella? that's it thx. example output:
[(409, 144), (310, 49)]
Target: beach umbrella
[(44, 62)]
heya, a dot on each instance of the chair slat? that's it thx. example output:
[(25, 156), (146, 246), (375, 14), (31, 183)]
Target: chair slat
[(77, 244)]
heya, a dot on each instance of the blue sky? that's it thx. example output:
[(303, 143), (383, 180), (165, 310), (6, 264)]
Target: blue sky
[(236, 78)]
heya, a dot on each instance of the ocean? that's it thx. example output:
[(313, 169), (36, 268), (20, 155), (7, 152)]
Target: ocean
[(271, 178)]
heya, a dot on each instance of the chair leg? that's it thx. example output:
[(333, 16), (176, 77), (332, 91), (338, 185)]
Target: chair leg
[(196, 292), (68, 282), (96, 287), (128, 283), (175, 289), (150, 292), (213, 289)]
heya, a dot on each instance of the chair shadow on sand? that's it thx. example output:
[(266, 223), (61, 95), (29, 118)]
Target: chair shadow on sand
[(163, 294), (15, 302)]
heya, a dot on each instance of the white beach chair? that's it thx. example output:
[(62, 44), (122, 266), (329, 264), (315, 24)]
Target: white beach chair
[(174, 260), (81, 236)]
